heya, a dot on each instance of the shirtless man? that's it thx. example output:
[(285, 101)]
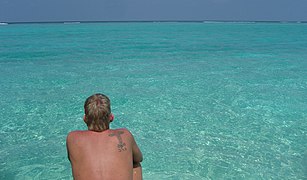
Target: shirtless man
[(99, 152)]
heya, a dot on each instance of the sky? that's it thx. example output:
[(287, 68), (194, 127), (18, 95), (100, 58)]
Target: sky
[(152, 10)]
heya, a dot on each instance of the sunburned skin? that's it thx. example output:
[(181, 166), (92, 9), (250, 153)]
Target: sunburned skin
[(111, 154)]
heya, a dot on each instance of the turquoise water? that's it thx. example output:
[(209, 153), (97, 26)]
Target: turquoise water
[(203, 100)]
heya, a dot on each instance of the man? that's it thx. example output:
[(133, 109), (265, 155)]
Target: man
[(100, 152)]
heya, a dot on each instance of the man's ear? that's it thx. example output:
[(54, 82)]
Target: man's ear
[(84, 118), (111, 118)]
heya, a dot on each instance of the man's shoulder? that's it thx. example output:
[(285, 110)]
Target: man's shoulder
[(74, 134), (122, 131)]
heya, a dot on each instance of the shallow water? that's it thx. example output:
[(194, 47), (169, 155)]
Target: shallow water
[(204, 101)]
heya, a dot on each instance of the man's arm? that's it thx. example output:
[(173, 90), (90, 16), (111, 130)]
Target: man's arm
[(68, 143), (136, 152), (137, 159), (67, 152), (137, 171)]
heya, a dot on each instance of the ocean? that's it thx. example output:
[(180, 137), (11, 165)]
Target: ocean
[(203, 100)]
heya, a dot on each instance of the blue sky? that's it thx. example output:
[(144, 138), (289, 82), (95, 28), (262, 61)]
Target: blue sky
[(125, 10)]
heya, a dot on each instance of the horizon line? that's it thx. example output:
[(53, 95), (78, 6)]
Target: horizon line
[(144, 21)]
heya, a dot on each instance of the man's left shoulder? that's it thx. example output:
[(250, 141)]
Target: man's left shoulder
[(123, 131)]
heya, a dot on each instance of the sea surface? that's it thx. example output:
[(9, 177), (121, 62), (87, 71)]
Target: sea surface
[(203, 100)]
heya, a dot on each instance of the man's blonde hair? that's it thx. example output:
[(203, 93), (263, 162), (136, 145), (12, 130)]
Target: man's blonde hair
[(97, 112)]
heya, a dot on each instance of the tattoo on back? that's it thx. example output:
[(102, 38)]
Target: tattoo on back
[(121, 145)]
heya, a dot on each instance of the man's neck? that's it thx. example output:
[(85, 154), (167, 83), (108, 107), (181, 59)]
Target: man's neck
[(104, 128)]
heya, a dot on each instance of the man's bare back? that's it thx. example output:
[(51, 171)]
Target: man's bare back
[(109, 154), (102, 153)]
